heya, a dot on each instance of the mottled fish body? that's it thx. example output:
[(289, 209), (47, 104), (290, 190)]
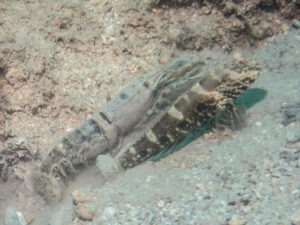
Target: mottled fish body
[(198, 105)]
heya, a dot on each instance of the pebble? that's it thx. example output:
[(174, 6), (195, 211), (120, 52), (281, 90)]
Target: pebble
[(293, 135), (258, 124), (160, 204), (80, 200), (83, 213), (206, 10), (235, 220), (107, 166), (108, 213), (13, 217), (296, 23)]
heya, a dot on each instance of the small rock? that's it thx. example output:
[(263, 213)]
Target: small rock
[(13, 217), (107, 166), (81, 199), (235, 220), (161, 204), (81, 196), (246, 198), (296, 23), (84, 214), (238, 57), (293, 135), (108, 213), (206, 10), (295, 218), (258, 124)]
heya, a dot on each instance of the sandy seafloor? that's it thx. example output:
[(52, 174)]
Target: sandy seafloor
[(250, 176)]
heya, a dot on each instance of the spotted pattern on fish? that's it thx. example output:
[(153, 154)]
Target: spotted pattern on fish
[(198, 105), (180, 96)]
